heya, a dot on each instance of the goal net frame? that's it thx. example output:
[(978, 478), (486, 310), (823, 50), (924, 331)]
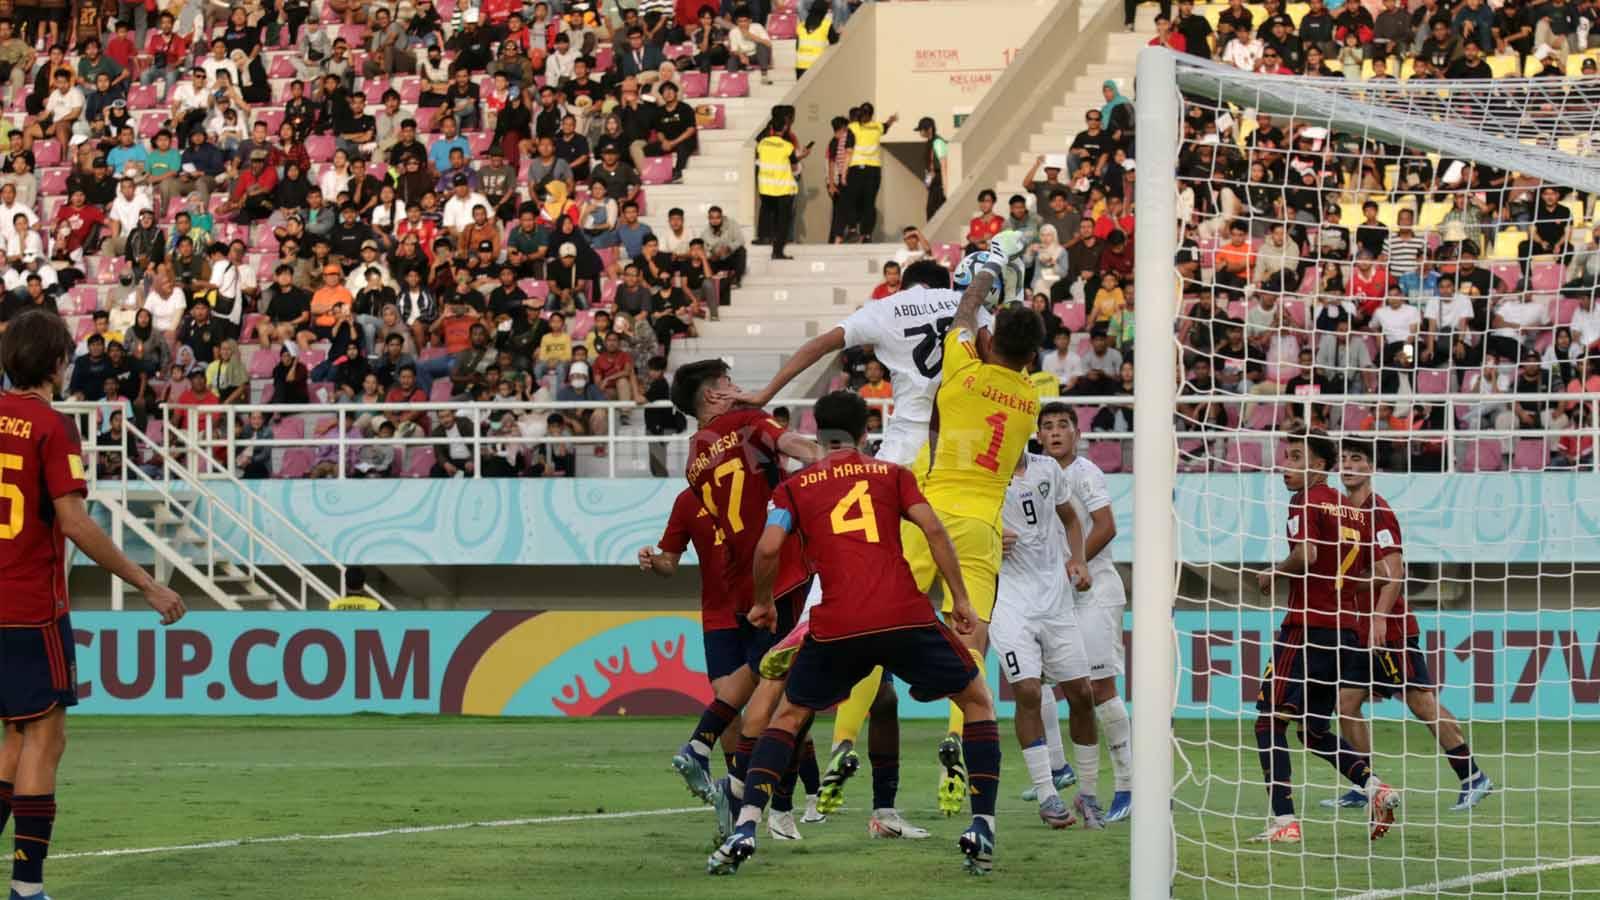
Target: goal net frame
[(1422, 122)]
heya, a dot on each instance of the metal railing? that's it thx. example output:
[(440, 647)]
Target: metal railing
[(226, 437), (178, 487)]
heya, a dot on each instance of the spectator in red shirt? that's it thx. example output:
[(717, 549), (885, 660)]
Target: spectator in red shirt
[(251, 197), (1166, 37), (454, 328), (890, 283), (77, 222), (614, 372), (985, 225), (121, 47), (1115, 218), (167, 50), (407, 423), (199, 393)]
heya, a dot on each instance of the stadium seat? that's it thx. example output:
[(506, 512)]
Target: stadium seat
[(1107, 455), (1247, 454), (1530, 455), (733, 84), (657, 170), (694, 84), (711, 116), (271, 117), (46, 154), (1072, 315), (263, 362), (1545, 277), (1507, 243), (441, 391), (1484, 455), (1433, 381), (410, 89), (53, 181), (144, 96), (419, 462), (320, 148), (781, 26)]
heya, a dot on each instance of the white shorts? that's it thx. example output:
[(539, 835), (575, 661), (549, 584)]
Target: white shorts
[(1101, 627), (902, 444), (1048, 647)]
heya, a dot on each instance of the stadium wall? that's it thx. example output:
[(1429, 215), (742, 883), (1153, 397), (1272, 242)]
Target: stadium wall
[(1543, 518), (907, 59), (592, 663)]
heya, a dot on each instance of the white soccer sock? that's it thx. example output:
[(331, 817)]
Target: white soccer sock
[(1037, 758), (1052, 727), (748, 815), (1113, 718), (700, 747), (736, 788), (1087, 757), (26, 889)]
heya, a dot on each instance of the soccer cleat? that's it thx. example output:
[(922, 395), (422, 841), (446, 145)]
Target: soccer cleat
[(1348, 800), (17, 896), (830, 790), (953, 783), (812, 816), (1384, 802), (1064, 778), (1121, 806), (696, 772), (1282, 830), (1054, 812), (888, 823), (1089, 811), (781, 825), (723, 802), (735, 849), (977, 843), (775, 664), (1473, 792)]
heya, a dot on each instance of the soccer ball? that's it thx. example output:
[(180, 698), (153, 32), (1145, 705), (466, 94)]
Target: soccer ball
[(1008, 291)]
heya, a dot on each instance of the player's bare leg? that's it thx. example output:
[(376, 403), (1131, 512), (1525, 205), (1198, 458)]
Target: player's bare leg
[(41, 743), (1475, 785), (718, 719), (883, 751), (1028, 720), (1112, 716), (1355, 731), (953, 769), (980, 746)]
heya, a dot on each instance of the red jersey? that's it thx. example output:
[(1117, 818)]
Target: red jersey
[(1369, 533), (846, 510), (733, 468), (691, 524), (1314, 596), (40, 459)]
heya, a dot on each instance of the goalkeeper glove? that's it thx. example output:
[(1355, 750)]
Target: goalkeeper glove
[(1003, 248)]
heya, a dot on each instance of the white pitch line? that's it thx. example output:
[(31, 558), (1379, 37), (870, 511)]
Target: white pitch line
[(1481, 878), (385, 832)]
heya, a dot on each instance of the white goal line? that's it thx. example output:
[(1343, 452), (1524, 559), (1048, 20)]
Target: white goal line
[(384, 832), (1481, 878)]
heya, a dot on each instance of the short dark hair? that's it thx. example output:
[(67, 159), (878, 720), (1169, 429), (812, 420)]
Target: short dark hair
[(1057, 408), (689, 383), (927, 273), (1363, 447), (1018, 333), (840, 414), (34, 348), (1318, 444), (986, 193)]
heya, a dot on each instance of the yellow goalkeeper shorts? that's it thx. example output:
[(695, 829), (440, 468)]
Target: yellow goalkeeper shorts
[(978, 548)]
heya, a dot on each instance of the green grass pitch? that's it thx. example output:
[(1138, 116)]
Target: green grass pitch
[(135, 783)]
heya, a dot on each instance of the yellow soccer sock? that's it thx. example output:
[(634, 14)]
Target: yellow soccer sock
[(957, 721), (853, 711)]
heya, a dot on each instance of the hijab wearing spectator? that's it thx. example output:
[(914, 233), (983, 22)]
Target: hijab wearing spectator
[(1049, 245), (230, 372), (1114, 99)]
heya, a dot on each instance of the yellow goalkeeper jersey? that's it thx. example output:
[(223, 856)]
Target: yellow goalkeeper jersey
[(986, 415)]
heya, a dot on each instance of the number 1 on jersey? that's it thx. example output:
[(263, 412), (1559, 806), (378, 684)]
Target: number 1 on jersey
[(735, 493), (864, 521), (990, 458)]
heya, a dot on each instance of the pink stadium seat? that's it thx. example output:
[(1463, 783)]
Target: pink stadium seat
[(271, 117), (717, 118), (1509, 274), (281, 65), (297, 462), (261, 362), (1485, 455), (1565, 307), (1530, 455), (320, 148), (657, 170), (1546, 277), (289, 427), (602, 59), (419, 462), (144, 96), (733, 84), (149, 124), (83, 299), (780, 26), (1246, 454), (1433, 381), (948, 254), (643, 201), (374, 89), (82, 326), (46, 154), (353, 35), (1263, 416), (433, 352), (1072, 314), (314, 355), (479, 142), (1086, 416), (441, 391), (694, 84), (410, 89), (1107, 455)]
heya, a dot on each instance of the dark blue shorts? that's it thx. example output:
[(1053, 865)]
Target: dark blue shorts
[(1396, 668), (1308, 667), (729, 648), (928, 658), (38, 670)]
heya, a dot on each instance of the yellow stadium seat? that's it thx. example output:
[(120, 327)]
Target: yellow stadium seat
[(1296, 11), (1350, 214), (1503, 66), (1391, 177), (1575, 62), (1507, 242), (1407, 69), (1333, 63), (1576, 206), (1247, 126), (1532, 68), (1212, 12), (1433, 213), (1389, 213)]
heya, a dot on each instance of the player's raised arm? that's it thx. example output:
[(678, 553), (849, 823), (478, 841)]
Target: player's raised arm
[(802, 448), (81, 529), (944, 556), (990, 273), (830, 341)]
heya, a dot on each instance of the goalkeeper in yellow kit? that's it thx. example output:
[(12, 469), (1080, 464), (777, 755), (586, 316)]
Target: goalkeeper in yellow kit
[(986, 411)]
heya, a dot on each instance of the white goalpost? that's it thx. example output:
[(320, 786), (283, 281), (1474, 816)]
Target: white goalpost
[(1409, 267)]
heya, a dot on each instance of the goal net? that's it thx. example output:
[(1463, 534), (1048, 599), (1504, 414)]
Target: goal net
[(1408, 266)]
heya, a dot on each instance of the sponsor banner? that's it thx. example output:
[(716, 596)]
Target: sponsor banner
[(600, 663), (1505, 517)]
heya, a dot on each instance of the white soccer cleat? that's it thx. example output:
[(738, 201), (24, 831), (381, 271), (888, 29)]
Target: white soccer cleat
[(888, 823), (812, 815), (1280, 830), (781, 825)]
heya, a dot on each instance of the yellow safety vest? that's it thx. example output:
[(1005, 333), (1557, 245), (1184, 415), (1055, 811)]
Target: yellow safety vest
[(868, 138), (774, 177), (809, 44)]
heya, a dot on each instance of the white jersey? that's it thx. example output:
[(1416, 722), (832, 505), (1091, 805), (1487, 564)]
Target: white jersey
[(906, 331), (1087, 491), (1033, 576)]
